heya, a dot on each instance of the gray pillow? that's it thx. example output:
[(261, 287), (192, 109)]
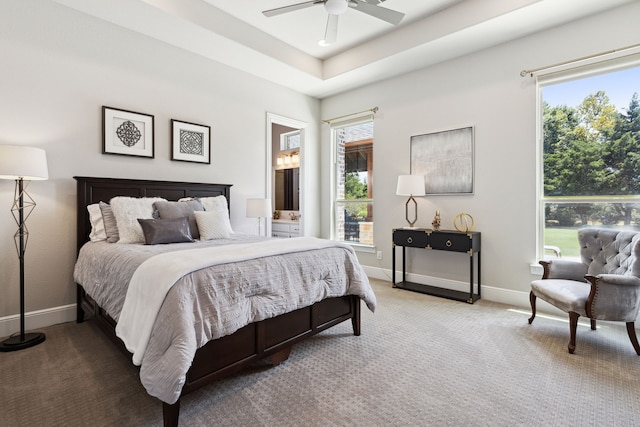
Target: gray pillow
[(172, 210), (110, 224), (159, 231)]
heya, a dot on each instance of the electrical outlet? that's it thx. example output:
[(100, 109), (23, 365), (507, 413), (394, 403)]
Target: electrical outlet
[(379, 255)]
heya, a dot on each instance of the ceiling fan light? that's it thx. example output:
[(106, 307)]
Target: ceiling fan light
[(336, 7)]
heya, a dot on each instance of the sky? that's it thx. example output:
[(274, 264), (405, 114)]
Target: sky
[(619, 87)]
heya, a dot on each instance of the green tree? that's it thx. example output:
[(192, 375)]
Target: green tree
[(592, 150), (354, 188), (630, 122), (597, 117)]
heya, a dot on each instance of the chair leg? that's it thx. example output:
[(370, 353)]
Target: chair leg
[(532, 301), (593, 324), (573, 325), (631, 330)]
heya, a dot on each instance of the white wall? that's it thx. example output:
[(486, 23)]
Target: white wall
[(484, 90), (58, 68)]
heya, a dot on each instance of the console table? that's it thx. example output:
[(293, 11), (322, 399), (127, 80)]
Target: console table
[(452, 241)]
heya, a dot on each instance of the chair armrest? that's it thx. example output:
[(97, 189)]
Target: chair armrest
[(616, 279), (614, 297), (564, 269)]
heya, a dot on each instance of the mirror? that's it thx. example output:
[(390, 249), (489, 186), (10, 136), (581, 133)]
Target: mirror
[(287, 189)]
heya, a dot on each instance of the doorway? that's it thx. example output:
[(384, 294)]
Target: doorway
[(285, 148)]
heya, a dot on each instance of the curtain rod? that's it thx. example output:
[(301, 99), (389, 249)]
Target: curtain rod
[(373, 110), (573, 61)]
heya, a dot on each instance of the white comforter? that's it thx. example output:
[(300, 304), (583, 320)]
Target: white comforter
[(153, 278), (217, 298)]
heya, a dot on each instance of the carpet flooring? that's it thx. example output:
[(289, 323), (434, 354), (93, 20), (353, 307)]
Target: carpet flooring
[(420, 361)]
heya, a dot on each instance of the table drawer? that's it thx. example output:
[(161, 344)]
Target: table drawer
[(278, 226), (410, 238), (455, 242)]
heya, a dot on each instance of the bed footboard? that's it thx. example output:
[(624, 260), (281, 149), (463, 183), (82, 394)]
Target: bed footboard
[(270, 338)]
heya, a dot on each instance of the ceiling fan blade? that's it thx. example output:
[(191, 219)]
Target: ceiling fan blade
[(291, 8), (331, 32), (388, 15)]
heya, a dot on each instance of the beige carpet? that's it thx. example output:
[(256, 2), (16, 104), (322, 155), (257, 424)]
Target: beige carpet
[(420, 361)]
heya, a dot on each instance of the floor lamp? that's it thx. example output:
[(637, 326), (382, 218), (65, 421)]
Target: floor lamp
[(259, 208), (410, 185), (22, 164)]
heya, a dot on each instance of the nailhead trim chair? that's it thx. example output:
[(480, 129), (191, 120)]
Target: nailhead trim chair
[(604, 286)]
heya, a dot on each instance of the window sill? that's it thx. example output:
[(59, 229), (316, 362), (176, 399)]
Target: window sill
[(360, 247)]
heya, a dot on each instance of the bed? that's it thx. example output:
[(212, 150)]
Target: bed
[(271, 337)]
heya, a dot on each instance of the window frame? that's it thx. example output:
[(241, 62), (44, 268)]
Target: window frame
[(285, 140), (552, 78), (334, 128)]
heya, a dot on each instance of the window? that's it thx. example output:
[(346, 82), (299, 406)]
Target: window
[(290, 140), (590, 157), (353, 182)]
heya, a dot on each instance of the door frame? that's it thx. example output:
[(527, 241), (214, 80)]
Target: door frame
[(273, 118)]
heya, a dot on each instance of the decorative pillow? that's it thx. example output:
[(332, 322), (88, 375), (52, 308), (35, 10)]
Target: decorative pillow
[(159, 231), (213, 225), (171, 210), (217, 203), (127, 210), (98, 232), (110, 224)]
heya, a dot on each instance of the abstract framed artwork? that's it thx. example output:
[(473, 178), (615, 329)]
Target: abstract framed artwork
[(127, 133), (445, 159), (190, 142)]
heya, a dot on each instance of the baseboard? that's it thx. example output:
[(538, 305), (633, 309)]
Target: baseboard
[(489, 293), (518, 300), (9, 325)]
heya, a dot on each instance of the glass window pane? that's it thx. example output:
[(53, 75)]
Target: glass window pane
[(590, 157), (591, 138), (562, 221), (352, 224), (290, 140), (353, 220)]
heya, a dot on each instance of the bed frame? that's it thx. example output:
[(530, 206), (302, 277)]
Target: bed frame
[(270, 338)]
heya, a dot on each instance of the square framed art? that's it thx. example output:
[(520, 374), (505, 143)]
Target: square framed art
[(445, 159), (127, 133), (190, 142)]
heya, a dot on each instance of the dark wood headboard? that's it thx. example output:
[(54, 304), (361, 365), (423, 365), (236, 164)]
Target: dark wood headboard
[(93, 190)]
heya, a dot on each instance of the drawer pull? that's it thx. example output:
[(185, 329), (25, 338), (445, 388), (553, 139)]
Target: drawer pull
[(409, 239), (448, 243)]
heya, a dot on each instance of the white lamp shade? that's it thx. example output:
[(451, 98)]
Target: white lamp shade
[(23, 162), (258, 208), (336, 7), (410, 185)]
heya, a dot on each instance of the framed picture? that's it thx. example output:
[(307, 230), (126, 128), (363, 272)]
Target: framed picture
[(445, 159), (127, 133), (190, 142)]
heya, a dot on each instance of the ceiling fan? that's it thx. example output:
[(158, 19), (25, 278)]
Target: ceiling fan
[(336, 8)]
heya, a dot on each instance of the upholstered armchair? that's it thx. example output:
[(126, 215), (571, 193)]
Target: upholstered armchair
[(605, 285)]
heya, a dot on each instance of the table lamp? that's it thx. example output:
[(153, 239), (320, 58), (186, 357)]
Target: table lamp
[(410, 185), (259, 208)]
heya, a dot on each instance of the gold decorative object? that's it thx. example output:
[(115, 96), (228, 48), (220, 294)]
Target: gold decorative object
[(463, 222), (436, 222)]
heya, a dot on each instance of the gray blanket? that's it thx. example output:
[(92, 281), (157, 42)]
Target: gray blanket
[(215, 301)]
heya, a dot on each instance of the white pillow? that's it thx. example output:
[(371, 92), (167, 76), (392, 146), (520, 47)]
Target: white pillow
[(213, 224), (127, 210), (212, 204), (98, 232)]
